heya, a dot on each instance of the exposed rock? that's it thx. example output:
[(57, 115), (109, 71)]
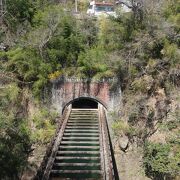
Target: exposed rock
[(123, 143)]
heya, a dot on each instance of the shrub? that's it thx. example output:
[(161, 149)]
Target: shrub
[(120, 127), (160, 161), (44, 126), (142, 84)]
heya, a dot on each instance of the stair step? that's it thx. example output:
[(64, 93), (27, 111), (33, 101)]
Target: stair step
[(76, 109), (73, 160), (79, 176), (91, 141), (77, 164), (81, 135), (81, 130), (85, 143), (75, 171), (75, 176), (79, 147), (82, 124), (83, 121), (85, 114), (78, 152), (81, 127), (81, 138), (81, 158), (83, 117)]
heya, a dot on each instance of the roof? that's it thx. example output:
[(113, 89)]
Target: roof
[(105, 4), (102, 3)]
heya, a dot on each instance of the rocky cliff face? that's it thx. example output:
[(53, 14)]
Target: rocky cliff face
[(145, 119)]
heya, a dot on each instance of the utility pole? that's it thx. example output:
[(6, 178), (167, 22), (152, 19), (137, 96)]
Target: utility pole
[(2, 8)]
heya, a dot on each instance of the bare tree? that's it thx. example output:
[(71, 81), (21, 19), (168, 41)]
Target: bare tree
[(135, 5)]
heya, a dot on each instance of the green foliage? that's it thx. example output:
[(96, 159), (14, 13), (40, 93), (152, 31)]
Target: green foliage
[(120, 127), (19, 11), (172, 8), (61, 41), (142, 84), (88, 27), (46, 41), (92, 63), (29, 67), (160, 161), (83, 5), (115, 34), (14, 146), (172, 53), (44, 126), (14, 133)]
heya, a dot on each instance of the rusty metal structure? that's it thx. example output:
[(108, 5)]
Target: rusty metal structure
[(81, 148)]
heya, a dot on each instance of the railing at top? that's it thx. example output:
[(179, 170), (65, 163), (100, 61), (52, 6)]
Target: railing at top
[(84, 80)]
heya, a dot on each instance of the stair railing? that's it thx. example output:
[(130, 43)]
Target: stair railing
[(106, 151), (44, 171)]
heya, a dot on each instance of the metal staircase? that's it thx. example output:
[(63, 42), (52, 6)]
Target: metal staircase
[(78, 156), (82, 148)]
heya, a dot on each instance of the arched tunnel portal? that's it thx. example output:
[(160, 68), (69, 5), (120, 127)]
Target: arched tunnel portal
[(85, 103), (82, 93)]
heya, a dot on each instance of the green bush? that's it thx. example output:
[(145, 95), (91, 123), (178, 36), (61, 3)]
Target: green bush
[(160, 161), (120, 127), (142, 84), (93, 63), (44, 125)]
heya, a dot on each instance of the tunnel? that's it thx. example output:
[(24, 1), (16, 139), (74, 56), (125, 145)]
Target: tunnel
[(84, 103)]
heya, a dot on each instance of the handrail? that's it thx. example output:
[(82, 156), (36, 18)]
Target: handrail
[(109, 165), (44, 170)]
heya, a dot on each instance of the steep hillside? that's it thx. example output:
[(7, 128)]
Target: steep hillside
[(42, 40)]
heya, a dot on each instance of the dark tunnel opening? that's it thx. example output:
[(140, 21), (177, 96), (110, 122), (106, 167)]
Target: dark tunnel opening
[(84, 103)]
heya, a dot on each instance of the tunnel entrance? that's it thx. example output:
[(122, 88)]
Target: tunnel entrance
[(84, 103)]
